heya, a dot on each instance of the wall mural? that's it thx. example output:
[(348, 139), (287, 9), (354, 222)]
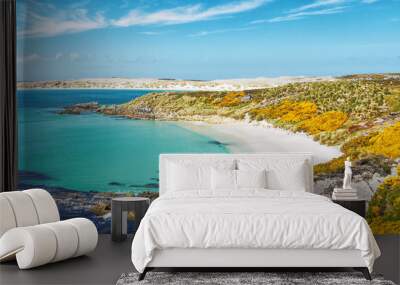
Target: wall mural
[(106, 86)]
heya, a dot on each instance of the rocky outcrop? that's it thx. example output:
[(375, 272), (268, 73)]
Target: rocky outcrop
[(77, 109), (136, 113), (368, 173), (72, 204), (140, 113)]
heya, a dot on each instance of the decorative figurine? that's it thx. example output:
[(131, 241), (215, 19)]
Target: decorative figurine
[(347, 174)]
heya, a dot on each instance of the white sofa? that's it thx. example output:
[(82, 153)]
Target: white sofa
[(31, 230)]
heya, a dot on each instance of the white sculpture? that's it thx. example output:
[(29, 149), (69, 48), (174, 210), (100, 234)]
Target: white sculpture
[(347, 174)]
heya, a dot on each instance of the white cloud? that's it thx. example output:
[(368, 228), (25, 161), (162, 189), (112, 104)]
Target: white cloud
[(315, 8), (326, 3), (186, 14), (318, 4), (76, 18), (206, 33), (33, 57), (44, 20), (369, 1), (150, 33), (28, 58), (72, 21), (301, 15)]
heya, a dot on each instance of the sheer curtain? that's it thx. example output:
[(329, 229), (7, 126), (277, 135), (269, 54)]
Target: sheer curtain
[(8, 116)]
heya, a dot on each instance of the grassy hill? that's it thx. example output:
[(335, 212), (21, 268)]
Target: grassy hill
[(360, 113), (332, 112)]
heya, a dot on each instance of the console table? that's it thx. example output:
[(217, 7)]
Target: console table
[(120, 207)]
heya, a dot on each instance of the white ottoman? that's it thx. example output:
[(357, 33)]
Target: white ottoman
[(34, 244)]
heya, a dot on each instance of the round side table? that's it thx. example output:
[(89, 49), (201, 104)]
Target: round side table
[(120, 207)]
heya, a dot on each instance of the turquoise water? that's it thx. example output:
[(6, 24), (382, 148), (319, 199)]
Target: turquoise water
[(91, 151)]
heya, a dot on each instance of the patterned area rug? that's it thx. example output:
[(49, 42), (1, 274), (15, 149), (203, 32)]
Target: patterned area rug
[(243, 278)]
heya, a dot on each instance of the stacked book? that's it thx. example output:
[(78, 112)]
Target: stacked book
[(344, 194)]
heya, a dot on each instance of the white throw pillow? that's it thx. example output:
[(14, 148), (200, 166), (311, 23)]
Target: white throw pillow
[(255, 179), (282, 174), (223, 179), (193, 175), (186, 177)]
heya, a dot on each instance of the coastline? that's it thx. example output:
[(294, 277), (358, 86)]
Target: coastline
[(246, 137), (156, 84), (166, 89), (98, 88)]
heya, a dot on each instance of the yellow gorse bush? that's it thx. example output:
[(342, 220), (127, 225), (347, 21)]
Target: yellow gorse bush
[(232, 99), (357, 146), (329, 121), (288, 111), (381, 227), (386, 142), (384, 208), (298, 111)]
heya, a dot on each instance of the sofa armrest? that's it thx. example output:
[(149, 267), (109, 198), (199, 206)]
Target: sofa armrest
[(32, 246), (41, 244)]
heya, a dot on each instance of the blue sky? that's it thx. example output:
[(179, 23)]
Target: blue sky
[(201, 39)]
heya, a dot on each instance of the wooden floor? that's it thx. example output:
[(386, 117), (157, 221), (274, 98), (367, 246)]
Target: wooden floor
[(110, 259), (103, 266)]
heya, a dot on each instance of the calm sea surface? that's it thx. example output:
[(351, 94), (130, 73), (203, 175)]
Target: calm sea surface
[(91, 151)]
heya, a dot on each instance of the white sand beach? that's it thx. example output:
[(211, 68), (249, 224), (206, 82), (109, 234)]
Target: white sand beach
[(244, 137)]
